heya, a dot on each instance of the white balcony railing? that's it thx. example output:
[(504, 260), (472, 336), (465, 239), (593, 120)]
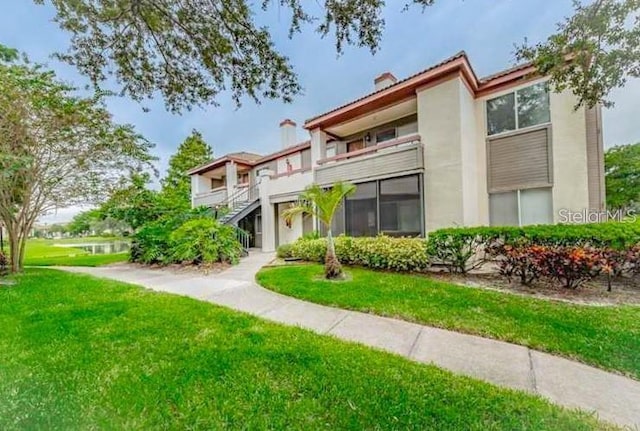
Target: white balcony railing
[(395, 157), (211, 197)]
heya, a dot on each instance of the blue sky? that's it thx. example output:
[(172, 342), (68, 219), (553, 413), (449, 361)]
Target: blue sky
[(413, 40)]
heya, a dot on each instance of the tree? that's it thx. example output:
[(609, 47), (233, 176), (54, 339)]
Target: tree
[(133, 204), (594, 51), (176, 186), (56, 150), (191, 50), (622, 176), (81, 223), (323, 204)]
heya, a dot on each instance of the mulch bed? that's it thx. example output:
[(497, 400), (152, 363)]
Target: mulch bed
[(624, 290)]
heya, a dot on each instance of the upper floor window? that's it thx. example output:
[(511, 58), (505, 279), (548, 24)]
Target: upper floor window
[(385, 135), (526, 107)]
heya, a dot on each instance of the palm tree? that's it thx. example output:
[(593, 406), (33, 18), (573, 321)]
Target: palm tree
[(322, 204)]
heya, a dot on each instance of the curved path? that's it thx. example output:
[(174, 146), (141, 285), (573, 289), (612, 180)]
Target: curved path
[(612, 397)]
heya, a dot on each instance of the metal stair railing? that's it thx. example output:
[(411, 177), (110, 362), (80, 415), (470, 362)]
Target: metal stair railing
[(241, 195), (243, 238)]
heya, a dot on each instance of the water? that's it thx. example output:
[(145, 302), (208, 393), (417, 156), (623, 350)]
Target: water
[(100, 248)]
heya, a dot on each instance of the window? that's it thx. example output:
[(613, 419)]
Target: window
[(400, 213), (331, 151), (521, 207), (361, 210), (243, 178), (385, 135), (524, 108), (501, 114)]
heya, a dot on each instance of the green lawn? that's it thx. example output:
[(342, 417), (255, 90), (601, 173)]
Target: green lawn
[(43, 252), (78, 352), (608, 337)]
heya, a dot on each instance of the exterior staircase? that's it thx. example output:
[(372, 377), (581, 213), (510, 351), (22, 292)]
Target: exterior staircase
[(240, 205)]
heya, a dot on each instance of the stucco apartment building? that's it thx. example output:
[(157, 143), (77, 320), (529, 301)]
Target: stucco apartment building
[(440, 148)]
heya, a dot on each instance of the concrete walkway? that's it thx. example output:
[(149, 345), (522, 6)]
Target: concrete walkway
[(612, 397)]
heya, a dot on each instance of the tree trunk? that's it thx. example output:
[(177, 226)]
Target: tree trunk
[(14, 248), (332, 267)]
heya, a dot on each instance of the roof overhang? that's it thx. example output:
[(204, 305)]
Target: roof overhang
[(218, 163), (456, 66)]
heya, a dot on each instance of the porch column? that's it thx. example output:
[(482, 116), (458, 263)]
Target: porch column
[(231, 179), (318, 146), (268, 212)]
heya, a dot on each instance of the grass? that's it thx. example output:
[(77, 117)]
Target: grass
[(81, 260), (607, 337), (78, 352), (44, 252)]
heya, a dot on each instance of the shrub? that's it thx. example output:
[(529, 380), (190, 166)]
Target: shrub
[(615, 235), (571, 266), (150, 244), (459, 250), (285, 251), (174, 239), (381, 252), (523, 262), (312, 250), (204, 241)]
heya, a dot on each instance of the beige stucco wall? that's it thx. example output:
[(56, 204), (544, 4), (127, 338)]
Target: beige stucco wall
[(471, 171), (569, 149), (439, 125), (287, 235), (199, 184), (295, 159)]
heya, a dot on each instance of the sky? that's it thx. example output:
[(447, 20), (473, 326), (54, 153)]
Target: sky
[(413, 40)]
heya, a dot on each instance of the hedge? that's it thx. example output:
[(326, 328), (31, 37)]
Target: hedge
[(463, 249), (380, 252)]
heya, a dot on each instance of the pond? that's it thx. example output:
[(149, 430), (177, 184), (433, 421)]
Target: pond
[(99, 248)]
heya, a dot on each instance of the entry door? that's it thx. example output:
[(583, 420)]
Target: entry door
[(355, 145)]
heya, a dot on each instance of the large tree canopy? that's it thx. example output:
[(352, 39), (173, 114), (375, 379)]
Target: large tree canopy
[(56, 149), (190, 51), (593, 51)]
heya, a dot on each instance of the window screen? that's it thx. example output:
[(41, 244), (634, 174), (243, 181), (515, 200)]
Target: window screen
[(400, 213), (361, 211)]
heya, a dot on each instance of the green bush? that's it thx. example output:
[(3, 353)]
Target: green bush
[(312, 250), (158, 242), (150, 245), (381, 252), (462, 249), (204, 241), (284, 251)]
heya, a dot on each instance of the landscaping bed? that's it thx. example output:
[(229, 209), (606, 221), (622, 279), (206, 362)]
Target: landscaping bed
[(594, 292), (86, 353)]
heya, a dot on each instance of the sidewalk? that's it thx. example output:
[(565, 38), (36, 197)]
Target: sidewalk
[(614, 398)]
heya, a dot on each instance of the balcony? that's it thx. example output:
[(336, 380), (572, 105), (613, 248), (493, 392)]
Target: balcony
[(397, 156), (211, 198)]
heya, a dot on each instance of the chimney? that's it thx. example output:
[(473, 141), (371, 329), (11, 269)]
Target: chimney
[(384, 81), (288, 133)]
